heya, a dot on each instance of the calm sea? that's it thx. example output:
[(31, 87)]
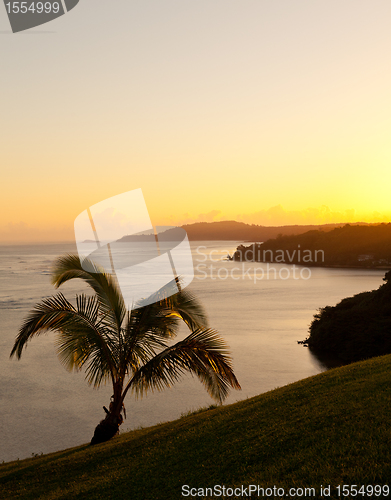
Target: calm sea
[(261, 312)]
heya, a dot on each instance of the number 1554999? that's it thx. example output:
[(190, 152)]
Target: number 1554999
[(32, 7)]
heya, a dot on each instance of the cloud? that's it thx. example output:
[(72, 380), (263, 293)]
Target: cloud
[(278, 216), (209, 217), (274, 216), (188, 219)]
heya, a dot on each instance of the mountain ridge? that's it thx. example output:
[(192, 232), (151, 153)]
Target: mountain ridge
[(234, 230)]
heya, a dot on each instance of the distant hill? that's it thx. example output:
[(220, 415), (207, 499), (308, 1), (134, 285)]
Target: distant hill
[(347, 246), (232, 230)]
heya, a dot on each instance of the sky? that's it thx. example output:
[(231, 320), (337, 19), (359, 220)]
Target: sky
[(263, 111)]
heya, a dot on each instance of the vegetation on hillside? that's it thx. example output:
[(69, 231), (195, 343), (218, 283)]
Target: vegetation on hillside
[(357, 328), (229, 230), (348, 246), (232, 230)]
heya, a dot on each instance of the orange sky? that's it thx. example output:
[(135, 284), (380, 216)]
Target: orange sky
[(265, 112)]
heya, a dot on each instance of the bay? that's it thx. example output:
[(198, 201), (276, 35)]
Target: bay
[(260, 310)]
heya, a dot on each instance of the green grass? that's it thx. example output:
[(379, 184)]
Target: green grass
[(333, 428)]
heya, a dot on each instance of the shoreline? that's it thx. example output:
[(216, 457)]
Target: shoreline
[(309, 264)]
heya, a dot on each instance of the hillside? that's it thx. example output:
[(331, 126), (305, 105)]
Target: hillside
[(331, 429), (357, 328), (347, 246)]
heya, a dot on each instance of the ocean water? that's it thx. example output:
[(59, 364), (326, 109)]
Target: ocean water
[(260, 310)]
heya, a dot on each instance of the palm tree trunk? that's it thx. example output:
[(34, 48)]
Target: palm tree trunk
[(109, 426)]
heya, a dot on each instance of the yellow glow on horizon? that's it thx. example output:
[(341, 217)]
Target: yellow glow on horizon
[(63, 230), (266, 126)]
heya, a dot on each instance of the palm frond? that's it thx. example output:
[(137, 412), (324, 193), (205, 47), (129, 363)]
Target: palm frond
[(149, 326), (145, 331), (189, 309), (203, 353), (112, 304), (79, 339)]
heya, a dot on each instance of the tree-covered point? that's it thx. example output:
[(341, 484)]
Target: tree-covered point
[(347, 246), (357, 328)]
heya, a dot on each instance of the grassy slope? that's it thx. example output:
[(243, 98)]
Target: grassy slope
[(329, 429)]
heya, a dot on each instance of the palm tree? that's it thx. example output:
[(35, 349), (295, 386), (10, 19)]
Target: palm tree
[(129, 348)]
